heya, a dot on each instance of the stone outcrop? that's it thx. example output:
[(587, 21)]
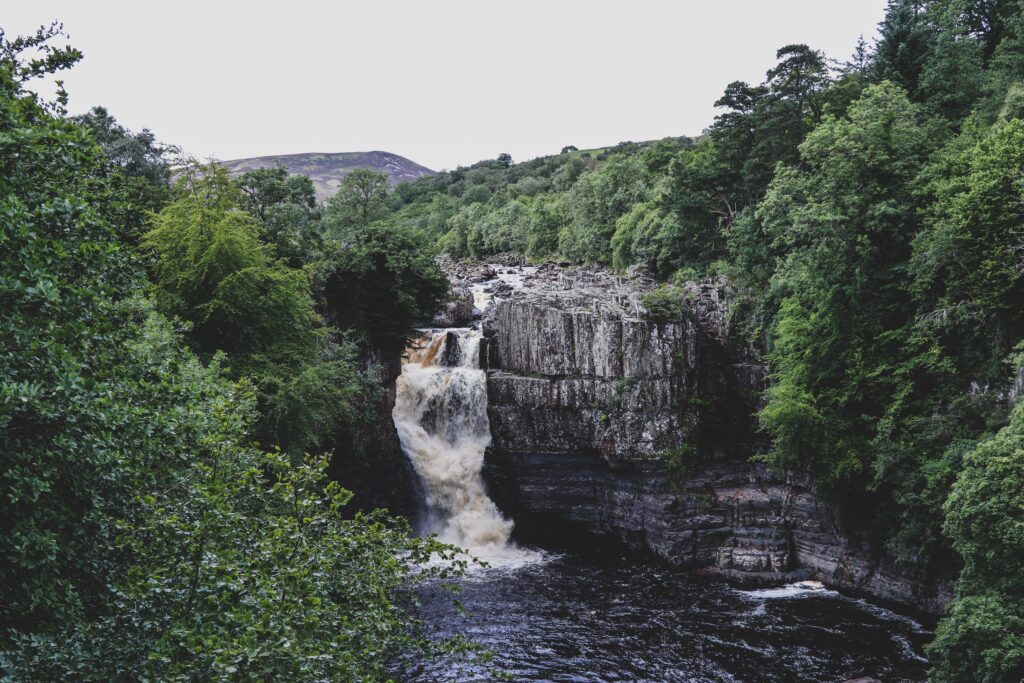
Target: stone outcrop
[(606, 421), (457, 309)]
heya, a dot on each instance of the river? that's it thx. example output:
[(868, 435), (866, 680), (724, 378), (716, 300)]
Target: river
[(610, 617)]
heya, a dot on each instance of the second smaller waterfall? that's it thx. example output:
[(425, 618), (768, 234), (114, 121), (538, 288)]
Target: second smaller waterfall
[(441, 417)]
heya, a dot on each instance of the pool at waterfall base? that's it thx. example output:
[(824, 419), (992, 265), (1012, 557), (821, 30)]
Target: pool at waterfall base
[(609, 616)]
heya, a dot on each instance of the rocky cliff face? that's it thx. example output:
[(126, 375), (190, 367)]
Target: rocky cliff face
[(607, 421)]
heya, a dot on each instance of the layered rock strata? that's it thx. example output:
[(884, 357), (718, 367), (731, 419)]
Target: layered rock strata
[(608, 421)]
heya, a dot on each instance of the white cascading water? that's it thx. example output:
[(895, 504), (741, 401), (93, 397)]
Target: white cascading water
[(441, 417)]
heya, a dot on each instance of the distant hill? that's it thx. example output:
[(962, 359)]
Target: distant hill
[(327, 170)]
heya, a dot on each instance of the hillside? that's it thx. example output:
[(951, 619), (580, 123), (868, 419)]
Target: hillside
[(327, 170)]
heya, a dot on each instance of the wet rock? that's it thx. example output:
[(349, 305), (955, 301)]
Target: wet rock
[(483, 274), (501, 288), (457, 311)]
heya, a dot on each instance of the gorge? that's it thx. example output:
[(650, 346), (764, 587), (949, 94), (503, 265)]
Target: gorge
[(588, 418)]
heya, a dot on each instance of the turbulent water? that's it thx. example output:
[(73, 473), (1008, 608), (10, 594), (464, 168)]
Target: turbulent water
[(441, 417), (613, 618)]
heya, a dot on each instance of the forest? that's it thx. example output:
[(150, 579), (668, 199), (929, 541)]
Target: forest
[(192, 361)]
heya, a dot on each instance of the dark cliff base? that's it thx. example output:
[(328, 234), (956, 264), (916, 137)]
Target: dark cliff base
[(727, 518), (371, 463)]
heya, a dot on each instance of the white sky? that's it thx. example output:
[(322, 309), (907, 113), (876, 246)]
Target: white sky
[(443, 82)]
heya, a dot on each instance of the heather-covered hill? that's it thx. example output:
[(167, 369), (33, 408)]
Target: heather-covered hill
[(328, 170)]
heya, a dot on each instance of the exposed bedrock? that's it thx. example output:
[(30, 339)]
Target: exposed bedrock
[(456, 310), (607, 422)]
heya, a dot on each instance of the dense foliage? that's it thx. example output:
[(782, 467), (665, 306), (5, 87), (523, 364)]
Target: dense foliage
[(983, 638), (144, 535)]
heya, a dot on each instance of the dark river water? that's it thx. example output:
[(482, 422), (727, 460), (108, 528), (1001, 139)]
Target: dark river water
[(580, 617)]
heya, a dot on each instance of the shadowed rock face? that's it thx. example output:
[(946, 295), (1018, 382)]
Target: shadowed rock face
[(371, 463), (606, 422)]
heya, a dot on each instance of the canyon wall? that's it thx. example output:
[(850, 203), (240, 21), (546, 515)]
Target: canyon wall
[(369, 461), (610, 419)]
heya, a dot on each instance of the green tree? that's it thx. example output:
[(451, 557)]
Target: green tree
[(456, 240), (982, 638), (379, 281), (952, 75), (266, 187), (904, 42), (968, 260), (844, 220), (212, 269), (598, 198), (548, 215), (361, 199), (286, 207), (138, 167), (63, 274), (142, 539), (502, 230)]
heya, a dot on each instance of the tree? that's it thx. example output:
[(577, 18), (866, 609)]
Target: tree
[(64, 277), (361, 199), (903, 45), (860, 60), (505, 160), (982, 637), (378, 282), (503, 230), (968, 260), (212, 269), (569, 149), (142, 536), (801, 76), (548, 215), (286, 206), (456, 240), (598, 198), (792, 106), (844, 221), (137, 164), (761, 127), (267, 187)]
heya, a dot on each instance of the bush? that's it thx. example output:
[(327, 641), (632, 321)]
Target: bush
[(665, 304)]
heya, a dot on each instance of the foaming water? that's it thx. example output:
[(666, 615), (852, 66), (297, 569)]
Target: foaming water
[(791, 590), (441, 417), (514, 276)]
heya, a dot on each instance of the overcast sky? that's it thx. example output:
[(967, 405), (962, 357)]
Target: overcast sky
[(441, 82)]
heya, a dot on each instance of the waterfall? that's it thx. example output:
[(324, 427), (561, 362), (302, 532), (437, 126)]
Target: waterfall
[(441, 417)]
